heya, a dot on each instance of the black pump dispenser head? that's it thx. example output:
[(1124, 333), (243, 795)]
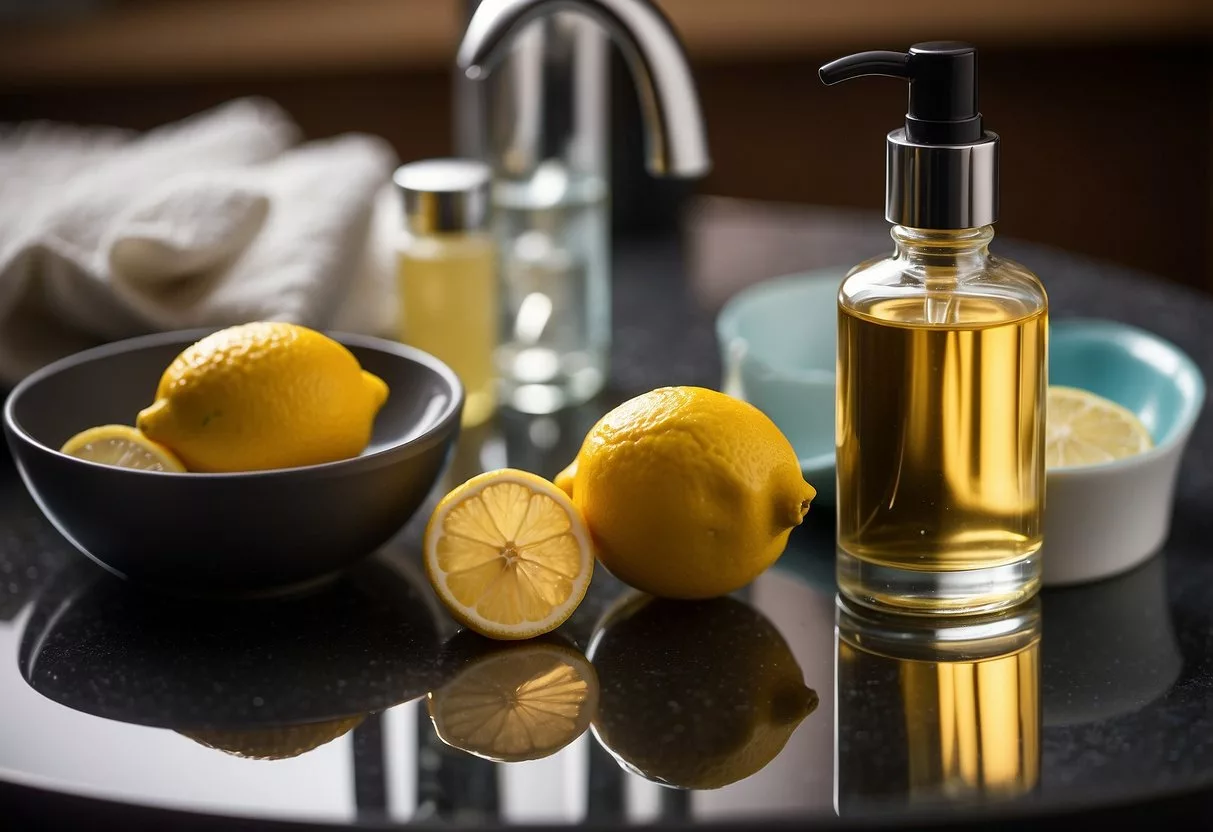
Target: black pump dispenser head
[(943, 87), (942, 168)]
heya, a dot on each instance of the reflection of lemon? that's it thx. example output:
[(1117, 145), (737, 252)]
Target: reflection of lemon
[(1085, 429), (124, 447), (264, 395), (276, 743), (695, 694), (517, 703), (689, 493), (508, 554)]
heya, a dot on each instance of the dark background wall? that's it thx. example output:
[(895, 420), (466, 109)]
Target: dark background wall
[(1107, 141)]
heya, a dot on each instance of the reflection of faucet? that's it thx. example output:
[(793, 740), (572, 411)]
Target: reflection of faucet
[(536, 73), (676, 138)]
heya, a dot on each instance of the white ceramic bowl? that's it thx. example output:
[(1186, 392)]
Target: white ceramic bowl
[(1101, 520)]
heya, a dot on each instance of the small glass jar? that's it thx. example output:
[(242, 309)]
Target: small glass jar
[(446, 269)]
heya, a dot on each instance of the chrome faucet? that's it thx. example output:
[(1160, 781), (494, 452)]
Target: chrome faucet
[(535, 106), (677, 144)]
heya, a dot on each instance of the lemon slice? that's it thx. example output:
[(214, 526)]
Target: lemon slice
[(124, 447), (1086, 429), (508, 554), (521, 703)]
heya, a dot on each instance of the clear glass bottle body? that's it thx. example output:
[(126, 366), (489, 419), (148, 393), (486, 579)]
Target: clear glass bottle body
[(449, 307), (942, 376)]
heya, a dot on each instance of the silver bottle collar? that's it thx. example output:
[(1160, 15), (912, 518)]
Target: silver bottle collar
[(941, 187)]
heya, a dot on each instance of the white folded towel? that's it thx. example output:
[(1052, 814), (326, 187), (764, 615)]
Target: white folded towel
[(215, 220)]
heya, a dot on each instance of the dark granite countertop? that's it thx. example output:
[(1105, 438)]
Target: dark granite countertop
[(1097, 700)]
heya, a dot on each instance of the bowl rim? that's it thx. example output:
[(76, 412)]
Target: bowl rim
[(450, 413), (728, 330)]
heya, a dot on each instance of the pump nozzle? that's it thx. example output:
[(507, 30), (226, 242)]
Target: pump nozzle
[(941, 170), (943, 87)]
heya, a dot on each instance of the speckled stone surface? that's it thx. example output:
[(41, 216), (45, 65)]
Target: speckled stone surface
[(1110, 701)]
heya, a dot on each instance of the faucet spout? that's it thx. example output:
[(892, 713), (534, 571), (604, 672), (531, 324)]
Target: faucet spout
[(676, 141)]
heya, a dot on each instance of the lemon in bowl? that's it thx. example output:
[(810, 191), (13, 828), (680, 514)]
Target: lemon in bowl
[(1086, 429), (262, 396), (124, 447), (222, 531)]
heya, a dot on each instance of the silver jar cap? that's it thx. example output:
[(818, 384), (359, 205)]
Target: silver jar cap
[(444, 195)]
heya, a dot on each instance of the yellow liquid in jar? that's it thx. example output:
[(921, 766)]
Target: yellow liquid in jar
[(940, 432), (448, 296)]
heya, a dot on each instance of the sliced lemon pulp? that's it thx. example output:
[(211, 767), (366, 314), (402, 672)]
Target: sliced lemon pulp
[(124, 447), (521, 703), (1086, 429), (508, 554)]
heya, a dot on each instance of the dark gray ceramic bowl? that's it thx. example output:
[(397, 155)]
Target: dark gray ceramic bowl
[(227, 533)]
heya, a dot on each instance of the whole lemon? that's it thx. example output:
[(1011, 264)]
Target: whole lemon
[(261, 396), (688, 493)]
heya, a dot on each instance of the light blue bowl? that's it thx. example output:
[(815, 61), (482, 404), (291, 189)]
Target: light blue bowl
[(777, 342)]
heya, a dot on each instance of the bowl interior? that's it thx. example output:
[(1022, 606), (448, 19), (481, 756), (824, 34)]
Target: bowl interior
[(111, 384), (1133, 368), (788, 324), (804, 412)]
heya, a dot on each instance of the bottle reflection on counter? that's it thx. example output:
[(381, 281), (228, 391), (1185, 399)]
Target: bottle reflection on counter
[(972, 727), (938, 717)]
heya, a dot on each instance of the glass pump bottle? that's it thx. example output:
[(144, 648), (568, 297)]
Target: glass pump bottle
[(942, 357)]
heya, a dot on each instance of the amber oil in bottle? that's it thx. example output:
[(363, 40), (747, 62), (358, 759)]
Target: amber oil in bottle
[(940, 426)]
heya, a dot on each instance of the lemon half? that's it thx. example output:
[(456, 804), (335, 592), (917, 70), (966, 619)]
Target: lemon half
[(1086, 429), (508, 554), (124, 447)]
